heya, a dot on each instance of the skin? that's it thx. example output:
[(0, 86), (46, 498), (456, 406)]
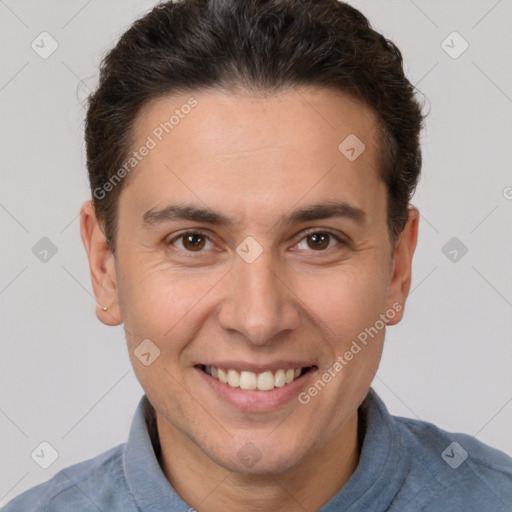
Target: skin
[(254, 160)]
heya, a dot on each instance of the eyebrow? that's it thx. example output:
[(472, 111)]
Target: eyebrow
[(176, 212)]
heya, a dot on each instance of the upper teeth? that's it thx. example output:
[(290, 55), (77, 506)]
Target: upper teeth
[(264, 381)]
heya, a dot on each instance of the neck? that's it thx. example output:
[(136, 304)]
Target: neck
[(209, 487)]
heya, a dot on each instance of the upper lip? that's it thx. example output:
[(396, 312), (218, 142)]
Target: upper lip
[(257, 368)]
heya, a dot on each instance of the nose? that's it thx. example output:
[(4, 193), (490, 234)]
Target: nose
[(259, 303)]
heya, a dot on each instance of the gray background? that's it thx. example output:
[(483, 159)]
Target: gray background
[(66, 379)]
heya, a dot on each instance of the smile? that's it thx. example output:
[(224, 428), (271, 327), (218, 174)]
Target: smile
[(251, 381)]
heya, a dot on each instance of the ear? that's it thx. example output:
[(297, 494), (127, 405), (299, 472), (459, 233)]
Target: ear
[(400, 282), (102, 266)]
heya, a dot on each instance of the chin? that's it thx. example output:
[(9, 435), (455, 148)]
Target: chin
[(266, 459)]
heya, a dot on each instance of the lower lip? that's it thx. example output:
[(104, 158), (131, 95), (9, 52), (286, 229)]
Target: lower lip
[(256, 400)]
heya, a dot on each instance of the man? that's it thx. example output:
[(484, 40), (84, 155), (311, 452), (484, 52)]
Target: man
[(251, 166)]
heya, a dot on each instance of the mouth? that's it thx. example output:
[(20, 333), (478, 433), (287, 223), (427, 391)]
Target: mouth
[(266, 380)]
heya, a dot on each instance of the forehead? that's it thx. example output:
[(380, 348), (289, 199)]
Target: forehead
[(241, 120), (250, 152)]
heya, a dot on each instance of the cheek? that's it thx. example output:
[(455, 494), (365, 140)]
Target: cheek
[(347, 300), (159, 302), (348, 305)]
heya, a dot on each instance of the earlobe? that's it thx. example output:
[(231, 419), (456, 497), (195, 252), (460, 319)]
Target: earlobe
[(101, 266), (401, 274)]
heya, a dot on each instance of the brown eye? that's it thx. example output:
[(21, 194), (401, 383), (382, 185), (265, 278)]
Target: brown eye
[(191, 241), (318, 240)]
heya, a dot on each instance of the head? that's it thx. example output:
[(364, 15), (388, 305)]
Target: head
[(251, 166)]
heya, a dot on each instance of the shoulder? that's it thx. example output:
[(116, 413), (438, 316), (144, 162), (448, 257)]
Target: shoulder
[(86, 486), (460, 469)]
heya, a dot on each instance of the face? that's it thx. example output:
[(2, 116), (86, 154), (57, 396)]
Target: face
[(251, 248)]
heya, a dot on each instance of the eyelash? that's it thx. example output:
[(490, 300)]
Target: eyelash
[(338, 239)]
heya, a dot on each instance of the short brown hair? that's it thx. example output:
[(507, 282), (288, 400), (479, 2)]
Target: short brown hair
[(261, 45)]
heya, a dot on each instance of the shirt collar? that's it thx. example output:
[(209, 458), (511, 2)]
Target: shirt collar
[(146, 480), (383, 464)]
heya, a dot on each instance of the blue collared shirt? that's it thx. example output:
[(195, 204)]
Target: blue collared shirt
[(404, 465)]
